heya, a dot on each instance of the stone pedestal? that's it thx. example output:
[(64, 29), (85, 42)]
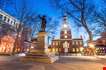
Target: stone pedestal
[(40, 53), (42, 40)]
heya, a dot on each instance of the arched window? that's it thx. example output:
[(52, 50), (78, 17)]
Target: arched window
[(53, 43), (73, 50)]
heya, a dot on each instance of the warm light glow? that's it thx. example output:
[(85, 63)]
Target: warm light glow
[(77, 49), (53, 43), (81, 49), (56, 49), (65, 36), (27, 50), (49, 50), (97, 48), (7, 44), (73, 50), (91, 45), (65, 44), (32, 47), (53, 49)]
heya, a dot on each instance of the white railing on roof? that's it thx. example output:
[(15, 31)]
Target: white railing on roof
[(5, 17)]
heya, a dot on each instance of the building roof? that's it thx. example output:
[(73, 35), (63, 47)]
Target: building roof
[(6, 14)]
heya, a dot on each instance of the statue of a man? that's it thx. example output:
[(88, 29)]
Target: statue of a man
[(43, 23)]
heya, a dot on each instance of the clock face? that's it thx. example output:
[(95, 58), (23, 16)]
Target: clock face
[(65, 36)]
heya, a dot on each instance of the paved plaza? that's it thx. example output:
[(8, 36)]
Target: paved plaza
[(64, 63)]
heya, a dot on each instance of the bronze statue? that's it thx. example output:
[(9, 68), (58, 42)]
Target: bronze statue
[(43, 23)]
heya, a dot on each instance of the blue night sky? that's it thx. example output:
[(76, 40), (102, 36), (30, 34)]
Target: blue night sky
[(45, 7)]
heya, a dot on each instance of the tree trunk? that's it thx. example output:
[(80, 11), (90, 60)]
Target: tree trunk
[(90, 35), (88, 31), (84, 24)]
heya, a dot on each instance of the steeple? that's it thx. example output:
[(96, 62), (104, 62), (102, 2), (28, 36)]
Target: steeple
[(65, 23), (65, 18), (65, 29)]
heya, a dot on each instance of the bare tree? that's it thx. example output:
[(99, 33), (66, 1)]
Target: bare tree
[(100, 18), (6, 29), (80, 11), (29, 19), (52, 25), (24, 15)]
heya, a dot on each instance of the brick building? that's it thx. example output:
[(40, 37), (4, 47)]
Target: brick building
[(100, 44), (66, 44)]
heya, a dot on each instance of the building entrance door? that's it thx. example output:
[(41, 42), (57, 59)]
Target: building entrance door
[(66, 46)]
